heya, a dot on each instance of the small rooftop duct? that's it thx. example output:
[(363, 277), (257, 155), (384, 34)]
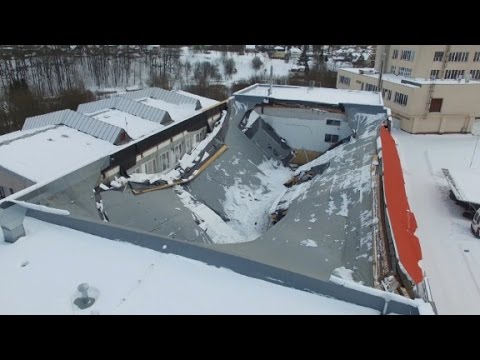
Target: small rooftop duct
[(11, 221)]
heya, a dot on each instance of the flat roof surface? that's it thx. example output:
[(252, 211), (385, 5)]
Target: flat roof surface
[(47, 154), (316, 94), (135, 126), (43, 270)]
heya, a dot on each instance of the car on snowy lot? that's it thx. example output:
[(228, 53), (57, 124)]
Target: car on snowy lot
[(475, 226)]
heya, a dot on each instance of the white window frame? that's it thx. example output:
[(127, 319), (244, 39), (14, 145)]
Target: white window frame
[(151, 166)]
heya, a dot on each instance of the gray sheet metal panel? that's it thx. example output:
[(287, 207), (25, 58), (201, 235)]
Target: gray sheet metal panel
[(239, 162), (143, 212), (78, 121), (94, 106), (164, 95), (341, 240), (53, 118), (124, 104)]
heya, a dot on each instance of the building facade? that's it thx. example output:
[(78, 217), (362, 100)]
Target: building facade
[(430, 88)]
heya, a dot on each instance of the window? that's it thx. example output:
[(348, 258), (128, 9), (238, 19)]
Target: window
[(151, 166), (475, 74), (476, 57), (458, 56), (387, 94), (370, 87), (403, 71), (436, 105), (395, 54), (438, 56), (344, 80), (330, 138), (11, 190), (401, 99), (164, 161), (454, 74), (408, 55), (178, 152), (434, 74), (188, 145), (2, 192), (393, 69), (200, 135), (333, 122)]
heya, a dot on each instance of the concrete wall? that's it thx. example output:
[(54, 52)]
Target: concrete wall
[(238, 264), (305, 128), (10, 180)]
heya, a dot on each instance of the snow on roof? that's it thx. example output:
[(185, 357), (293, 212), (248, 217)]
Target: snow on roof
[(398, 78), (467, 184), (250, 47), (14, 135), (76, 121), (46, 154), (135, 126), (205, 102), (177, 112), (53, 260), (127, 105), (319, 95)]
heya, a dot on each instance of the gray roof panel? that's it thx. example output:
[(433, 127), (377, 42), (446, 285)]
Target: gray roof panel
[(75, 120), (126, 105), (164, 95)]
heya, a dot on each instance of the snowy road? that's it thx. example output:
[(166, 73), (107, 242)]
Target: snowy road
[(451, 254)]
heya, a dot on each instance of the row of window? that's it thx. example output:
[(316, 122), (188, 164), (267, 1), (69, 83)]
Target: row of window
[(408, 55), (344, 80), (400, 98), (152, 166), (403, 71), (370, 87), (455, 74), (458, 56)]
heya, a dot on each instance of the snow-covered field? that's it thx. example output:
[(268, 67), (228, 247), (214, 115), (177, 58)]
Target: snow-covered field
[(243, 64), (41, 272), (451, 254)]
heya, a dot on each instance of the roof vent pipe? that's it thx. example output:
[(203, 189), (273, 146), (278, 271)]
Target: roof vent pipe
[(11, 221)]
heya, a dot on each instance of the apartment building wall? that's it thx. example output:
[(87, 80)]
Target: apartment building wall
[(460, 103), (422, 60)]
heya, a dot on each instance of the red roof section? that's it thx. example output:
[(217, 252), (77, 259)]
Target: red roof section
[(402, 219)]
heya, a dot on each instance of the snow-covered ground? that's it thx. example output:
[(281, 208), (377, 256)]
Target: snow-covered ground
[(243, 64), (451, 254), (41, 272)]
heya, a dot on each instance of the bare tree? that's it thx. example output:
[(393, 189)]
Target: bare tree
[(256, 63)]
